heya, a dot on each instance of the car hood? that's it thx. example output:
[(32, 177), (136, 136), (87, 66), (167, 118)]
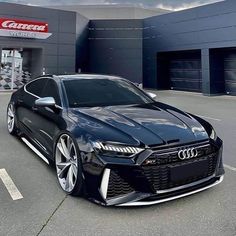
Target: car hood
[(149, 124)]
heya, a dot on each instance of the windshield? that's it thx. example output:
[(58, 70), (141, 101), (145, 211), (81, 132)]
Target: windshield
[(103, 92)]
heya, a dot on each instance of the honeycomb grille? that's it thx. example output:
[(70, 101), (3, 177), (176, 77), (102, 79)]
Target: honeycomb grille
[(117, 185), (159, 175)]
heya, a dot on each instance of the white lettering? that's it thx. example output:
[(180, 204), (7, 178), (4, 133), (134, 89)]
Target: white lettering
[(5, 23), (41, 27), (14, 25), (19, 26)]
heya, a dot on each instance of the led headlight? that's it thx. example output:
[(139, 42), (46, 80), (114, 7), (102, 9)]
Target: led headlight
[(116, 148), (213, 134)]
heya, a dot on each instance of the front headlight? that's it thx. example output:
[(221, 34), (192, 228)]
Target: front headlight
[(116, 149), (213, 134)]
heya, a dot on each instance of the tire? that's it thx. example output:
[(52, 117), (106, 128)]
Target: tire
[(68, 165), (11, 119)]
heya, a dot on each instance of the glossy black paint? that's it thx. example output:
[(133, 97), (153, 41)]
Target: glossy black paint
[(150, 125)]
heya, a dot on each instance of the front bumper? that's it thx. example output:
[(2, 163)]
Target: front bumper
[(145, 180), (149, 201)]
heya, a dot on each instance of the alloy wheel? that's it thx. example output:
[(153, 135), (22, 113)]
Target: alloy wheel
[(66, 160), (10, 118)]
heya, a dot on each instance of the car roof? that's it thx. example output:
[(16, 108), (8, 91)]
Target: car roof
[(88, 76), (59, 78)]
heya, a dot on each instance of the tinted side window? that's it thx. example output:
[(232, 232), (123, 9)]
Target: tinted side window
[(36, 87), (51, 90)]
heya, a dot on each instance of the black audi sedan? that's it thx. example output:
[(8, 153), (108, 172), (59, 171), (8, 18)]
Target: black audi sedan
[(112, 142)]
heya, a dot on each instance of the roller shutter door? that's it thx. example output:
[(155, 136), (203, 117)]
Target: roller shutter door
[(230, 72), (185, 74)]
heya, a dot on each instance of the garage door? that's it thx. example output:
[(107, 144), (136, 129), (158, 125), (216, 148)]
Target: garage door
[(230, 72), (185, 74)]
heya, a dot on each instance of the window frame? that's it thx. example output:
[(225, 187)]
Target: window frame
[(32, 94), (36, 96)]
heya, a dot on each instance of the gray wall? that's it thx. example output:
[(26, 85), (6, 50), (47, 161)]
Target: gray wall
[(115, 47), (204, 28), (59, 50)]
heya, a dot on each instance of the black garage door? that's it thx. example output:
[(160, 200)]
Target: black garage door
[(230, 71), (185, 73)]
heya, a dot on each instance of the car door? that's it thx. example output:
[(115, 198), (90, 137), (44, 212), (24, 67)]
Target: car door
[(49, 121), (25, 109)]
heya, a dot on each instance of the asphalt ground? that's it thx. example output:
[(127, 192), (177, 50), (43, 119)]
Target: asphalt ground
[(46, 210)]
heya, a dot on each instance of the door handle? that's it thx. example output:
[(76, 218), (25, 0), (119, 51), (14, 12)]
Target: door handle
[(34, 108), (20, 99)]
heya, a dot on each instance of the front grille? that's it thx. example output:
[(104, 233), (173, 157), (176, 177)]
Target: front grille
[(159, 173), (117, 185), (170, 156)]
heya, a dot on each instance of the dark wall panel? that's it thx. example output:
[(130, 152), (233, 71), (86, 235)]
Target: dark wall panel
[(82, 49), (115, 47), (230, 71), (110, 43)]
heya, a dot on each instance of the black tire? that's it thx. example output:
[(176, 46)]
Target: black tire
[(78, 186), (11, 119)]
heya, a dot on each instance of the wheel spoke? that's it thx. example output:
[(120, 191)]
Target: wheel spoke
[(69, 144), (61, 165), (69, 180), (10, 112), (71, 175), (74, 169), (74, 161), (62, 150), (10, 123), (59, 147), (9, 120), (65, 149), (63, 169)]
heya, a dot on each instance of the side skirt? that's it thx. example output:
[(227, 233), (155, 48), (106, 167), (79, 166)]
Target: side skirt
[(35, 150)]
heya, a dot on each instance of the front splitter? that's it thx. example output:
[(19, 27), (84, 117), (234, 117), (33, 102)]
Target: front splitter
[(148, 203)]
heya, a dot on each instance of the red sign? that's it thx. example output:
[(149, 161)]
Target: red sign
[(22, 25), (23, 29)]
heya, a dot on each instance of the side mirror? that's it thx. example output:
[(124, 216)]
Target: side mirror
[(152, 95), (45, 102)]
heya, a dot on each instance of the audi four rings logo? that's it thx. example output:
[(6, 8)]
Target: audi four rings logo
[(187, 153)]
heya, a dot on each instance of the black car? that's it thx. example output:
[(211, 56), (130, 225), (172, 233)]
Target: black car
[(112, 142)]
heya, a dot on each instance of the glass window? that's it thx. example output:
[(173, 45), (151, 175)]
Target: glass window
[(36, 87), (51, 90), (103, 92)]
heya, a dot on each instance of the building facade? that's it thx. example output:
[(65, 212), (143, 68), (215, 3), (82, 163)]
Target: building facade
[(190, 50), (36, 40), (193, 50)]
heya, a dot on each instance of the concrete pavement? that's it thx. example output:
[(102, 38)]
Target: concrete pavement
[(46, 210)]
